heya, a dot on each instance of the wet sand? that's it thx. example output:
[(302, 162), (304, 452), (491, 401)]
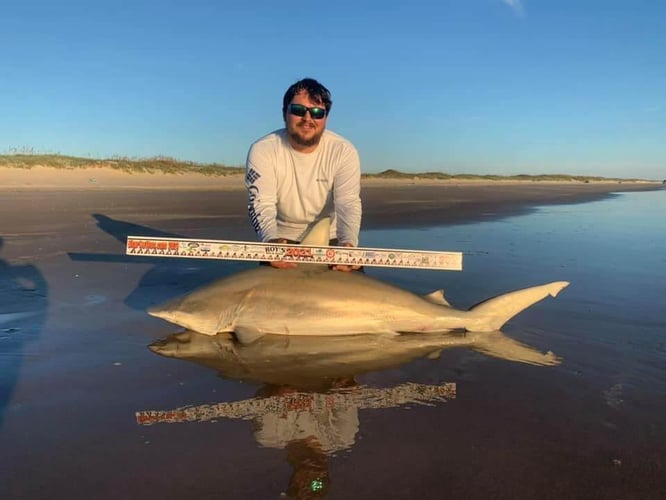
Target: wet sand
[(75, 367)]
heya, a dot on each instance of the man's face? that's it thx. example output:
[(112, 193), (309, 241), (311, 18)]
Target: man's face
[(304, 131)]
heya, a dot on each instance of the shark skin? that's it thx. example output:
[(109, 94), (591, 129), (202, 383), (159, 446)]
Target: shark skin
[(312, 300)]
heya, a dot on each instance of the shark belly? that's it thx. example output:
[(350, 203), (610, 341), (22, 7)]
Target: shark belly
[(337, 303)]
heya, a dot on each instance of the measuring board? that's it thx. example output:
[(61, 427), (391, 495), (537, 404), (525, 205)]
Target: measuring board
[(256, 251)]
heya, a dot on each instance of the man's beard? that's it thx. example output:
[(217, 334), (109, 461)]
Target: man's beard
[(306, 143)]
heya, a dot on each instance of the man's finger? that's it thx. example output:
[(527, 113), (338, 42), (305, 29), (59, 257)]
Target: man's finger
[(345, 268), (279, 264)]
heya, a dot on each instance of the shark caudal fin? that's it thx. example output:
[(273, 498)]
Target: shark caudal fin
[(491, 314)]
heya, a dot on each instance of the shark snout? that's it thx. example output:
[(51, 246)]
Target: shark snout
[(170, 345)]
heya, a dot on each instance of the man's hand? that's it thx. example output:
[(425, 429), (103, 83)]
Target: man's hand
[(279, 264), (343, 267)]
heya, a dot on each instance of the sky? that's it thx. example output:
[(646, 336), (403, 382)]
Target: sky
[(460, 86)]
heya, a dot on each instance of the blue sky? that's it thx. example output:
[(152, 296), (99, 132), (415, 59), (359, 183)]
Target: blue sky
[(461, 86)]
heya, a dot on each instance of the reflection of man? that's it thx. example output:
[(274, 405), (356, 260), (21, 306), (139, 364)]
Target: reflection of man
[(310, 426), (310, 477), (308, 436), (334, 426)]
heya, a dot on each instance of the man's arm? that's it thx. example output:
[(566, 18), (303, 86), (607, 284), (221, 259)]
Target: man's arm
[(347, 198), (347, 201), (262, 194), (262, 200)]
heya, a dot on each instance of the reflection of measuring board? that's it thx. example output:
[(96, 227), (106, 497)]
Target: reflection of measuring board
[(255, 251), (301, 402)]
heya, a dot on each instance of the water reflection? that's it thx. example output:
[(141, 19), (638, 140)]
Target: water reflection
[(23, 309), (310, 425), (309, 402), (314, 362)]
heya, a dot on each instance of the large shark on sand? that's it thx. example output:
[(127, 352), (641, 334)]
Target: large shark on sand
[(313, 300)]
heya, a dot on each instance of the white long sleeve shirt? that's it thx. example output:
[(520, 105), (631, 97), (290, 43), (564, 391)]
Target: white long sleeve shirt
[(289, 191)]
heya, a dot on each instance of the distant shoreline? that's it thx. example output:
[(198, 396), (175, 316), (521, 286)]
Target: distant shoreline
[(387, 203), (46, 177)]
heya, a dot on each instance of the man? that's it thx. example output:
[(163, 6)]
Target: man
[(302, 173)]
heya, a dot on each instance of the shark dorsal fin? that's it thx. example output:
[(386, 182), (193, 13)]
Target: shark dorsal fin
[(437, 297), (319, 233)]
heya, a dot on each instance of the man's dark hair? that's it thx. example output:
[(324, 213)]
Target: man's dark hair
[(317, 92)]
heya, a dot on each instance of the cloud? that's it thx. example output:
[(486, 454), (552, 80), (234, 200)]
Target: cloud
[(516, 5)]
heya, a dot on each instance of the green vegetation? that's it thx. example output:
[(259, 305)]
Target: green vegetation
[(396, 174), (161, 164), (164, 164)]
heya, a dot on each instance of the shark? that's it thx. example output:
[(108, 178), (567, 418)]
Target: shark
[(313, 300)]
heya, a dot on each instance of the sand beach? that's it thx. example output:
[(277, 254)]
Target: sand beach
[(75, 367), (387, 202)]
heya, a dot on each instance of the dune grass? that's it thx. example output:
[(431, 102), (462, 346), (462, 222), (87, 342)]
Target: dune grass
[(396, 174), (165, 164), (158, 164)]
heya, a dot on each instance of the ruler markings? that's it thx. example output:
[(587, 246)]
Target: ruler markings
[(257, 251)]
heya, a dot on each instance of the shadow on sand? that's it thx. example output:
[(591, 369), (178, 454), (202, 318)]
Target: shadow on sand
[(23, 309), (168, 277)]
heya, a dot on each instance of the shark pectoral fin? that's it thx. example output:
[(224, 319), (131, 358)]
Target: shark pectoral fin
[(247, 335), (498, 345), (437, 297), (226, 319)]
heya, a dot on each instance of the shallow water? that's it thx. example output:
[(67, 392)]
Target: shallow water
[(80, 386), (612, 251)]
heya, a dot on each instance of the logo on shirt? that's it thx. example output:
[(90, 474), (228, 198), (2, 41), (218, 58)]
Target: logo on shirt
[(252, 175)]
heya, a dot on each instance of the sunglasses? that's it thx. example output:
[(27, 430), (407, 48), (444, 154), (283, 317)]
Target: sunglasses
[(316, 113)]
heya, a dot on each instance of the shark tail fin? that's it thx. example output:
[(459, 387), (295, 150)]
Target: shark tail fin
[(491, 314)]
